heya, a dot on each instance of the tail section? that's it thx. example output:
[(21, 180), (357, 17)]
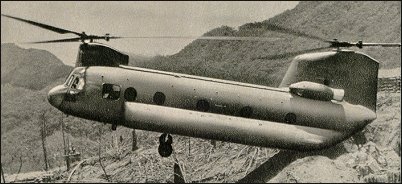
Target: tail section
[(352, 71)]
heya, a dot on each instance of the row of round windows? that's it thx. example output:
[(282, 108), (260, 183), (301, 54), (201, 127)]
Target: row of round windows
[(202, 105), (131, 94)]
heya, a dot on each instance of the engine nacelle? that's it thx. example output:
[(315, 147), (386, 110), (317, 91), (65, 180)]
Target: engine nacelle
[(97, 54), (316, 91)]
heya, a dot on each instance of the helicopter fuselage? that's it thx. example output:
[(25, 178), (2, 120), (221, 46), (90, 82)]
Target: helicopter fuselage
[(204, 107)]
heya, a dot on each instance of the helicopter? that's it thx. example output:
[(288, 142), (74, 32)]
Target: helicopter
[(323, 99)]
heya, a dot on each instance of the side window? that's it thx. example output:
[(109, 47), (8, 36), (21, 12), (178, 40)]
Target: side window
[(159, 98), (246, 112), (202, 105), (111, 91), (130, 94), (290, 118), (327, 82)]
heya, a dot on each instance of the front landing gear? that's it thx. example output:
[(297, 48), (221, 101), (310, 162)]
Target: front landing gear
[(165, 148)]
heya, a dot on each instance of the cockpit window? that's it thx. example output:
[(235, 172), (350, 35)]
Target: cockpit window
[(81, 83), (76, 79), (75, 83), (69, 80)]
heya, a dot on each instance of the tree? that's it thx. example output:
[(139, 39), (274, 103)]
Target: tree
[(2, 173), (99, 155), (67, 158), (43, 136)]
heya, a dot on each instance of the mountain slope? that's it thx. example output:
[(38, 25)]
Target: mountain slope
[(30, 68), (369, 21), (21, 123), (241, 60), (21, 109), (27, 75)]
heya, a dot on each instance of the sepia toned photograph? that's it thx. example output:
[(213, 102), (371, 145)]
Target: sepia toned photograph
[(201, 92)]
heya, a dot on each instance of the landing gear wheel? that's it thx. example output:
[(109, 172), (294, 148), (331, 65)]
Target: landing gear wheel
[(114, 126), (165, 150)]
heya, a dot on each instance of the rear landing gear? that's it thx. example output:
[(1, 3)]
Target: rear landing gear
[(114, 126), (165, 148)]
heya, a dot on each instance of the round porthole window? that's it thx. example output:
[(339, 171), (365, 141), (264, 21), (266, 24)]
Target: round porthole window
[(202, 105), (327, 82), (246, 112), (130, 94), (159, 98), (290, 118)]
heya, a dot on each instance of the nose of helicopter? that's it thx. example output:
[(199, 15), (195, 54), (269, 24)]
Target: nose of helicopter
[(56, 96)]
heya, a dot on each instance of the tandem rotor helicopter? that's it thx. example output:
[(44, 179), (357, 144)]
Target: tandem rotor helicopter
[(323, 99)]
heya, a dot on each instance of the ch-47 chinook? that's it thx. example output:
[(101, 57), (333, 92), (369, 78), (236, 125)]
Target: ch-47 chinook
[(323, 99)]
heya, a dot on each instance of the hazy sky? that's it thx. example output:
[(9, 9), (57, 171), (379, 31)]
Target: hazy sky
[(129, 19)]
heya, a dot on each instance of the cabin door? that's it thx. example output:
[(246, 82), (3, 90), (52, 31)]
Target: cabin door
[(113, 102)]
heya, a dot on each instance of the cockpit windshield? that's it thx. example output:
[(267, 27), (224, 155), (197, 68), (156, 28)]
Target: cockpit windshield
[(69, 80), (76, 79)]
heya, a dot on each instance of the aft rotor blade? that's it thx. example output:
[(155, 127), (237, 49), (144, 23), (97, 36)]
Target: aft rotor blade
[(207, 38), (44, 26), (382, 44), (276, 28), (237, 38), (114, 37), (58, 41), (291, 54)]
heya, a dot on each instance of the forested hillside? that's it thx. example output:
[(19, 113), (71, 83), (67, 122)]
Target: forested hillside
[(241, 60), (28, 75), (30, 68)]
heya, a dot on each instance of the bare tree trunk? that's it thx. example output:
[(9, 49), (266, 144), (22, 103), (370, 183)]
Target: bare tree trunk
[(213, 142), (72, 172), (189, 146), (43, 135), (134, 146), (178, 175), (115, 142), (64, 144), (68, 150), (19, 169), (99, 154), (2, 173)]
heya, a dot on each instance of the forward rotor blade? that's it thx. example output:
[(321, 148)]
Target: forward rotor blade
[(206, 38), (276, 28), (57, 41), (291, 54), (44, 26), (95, 37)]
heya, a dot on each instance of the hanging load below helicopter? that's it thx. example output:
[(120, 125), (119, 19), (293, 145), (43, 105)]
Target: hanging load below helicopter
[(324, 98)]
